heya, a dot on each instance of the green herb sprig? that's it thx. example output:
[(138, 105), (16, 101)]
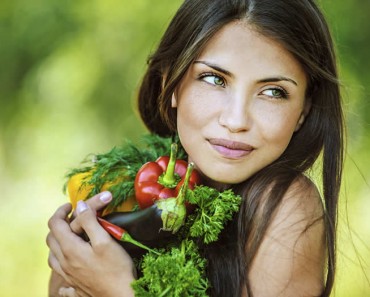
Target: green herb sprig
[(213, 210), (179, 272)]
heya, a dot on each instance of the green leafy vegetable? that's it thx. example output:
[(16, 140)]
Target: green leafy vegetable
[(180, 272), (213, 210)]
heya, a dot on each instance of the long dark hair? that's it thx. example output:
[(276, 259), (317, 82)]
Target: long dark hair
[(301, 28)]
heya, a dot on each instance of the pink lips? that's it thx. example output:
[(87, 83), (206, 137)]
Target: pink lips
[(230, 149)]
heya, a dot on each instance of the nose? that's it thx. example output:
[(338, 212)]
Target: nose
[(235, 114)]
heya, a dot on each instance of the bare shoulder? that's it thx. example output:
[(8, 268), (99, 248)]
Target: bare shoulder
[(301, 203), (291, 258)]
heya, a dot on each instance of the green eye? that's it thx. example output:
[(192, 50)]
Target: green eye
[(276, 93), (218, 81), (213, 79)]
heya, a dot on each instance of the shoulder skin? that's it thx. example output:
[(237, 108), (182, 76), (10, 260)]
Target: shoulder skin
[(291, 258)]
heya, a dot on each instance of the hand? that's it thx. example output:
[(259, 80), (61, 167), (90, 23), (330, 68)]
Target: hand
[(96, 268)]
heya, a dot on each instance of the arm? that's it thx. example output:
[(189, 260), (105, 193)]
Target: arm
[(100, 267), (291, 258)]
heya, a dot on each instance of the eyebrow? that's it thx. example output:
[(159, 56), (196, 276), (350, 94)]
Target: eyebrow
[(277, 79), (215, 67), (265, 80)]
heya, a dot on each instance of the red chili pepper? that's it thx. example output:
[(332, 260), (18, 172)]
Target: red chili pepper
[(121, 234), (162, 179)]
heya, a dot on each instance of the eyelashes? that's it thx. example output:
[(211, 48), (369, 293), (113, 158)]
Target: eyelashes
[(273, 92), (212, 79)]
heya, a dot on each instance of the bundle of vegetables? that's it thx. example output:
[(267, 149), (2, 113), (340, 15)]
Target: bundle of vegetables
[(160, 213)]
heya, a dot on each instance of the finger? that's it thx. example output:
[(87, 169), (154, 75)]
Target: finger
[(71, 292), (67, 292), (55, 265), (88, 222), (99, 201), (60, 217), (55, 254), (61, 213), (95, 203), (59, 224), (54, 246), (62, 241)]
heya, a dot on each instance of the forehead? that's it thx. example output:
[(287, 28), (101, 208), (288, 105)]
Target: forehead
[(239, 45)]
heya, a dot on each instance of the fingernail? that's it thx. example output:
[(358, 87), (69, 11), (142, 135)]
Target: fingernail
[(81, 206), (105, 197), (63, 291)]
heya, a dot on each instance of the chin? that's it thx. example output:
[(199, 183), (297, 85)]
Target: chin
[(221, 182), (222, 175)]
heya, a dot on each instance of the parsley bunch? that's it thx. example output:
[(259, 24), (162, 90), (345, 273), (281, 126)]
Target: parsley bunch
[(180, 272), (213, 210)]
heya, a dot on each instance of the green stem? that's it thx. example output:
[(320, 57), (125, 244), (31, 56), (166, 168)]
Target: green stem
[(184, 187), (126, 237), (169, 179), (165, 291)]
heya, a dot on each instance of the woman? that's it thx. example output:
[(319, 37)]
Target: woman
[(251, 88)]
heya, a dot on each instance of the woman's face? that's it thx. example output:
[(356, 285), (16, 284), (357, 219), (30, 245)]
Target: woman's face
[(239, 104)]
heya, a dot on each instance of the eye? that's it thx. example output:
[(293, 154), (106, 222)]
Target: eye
[(213, 79), (276, 92)]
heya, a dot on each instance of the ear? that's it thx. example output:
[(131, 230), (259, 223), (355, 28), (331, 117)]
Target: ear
[(300, 122), (173, 101), (304, 114), (173, 98), (164, 78)]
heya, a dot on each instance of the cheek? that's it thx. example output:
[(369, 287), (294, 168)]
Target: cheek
[(194, 110), (277, 130)]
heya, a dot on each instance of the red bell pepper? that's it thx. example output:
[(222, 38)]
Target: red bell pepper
[(162, 179)]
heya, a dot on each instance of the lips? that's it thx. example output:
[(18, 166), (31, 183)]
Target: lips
[(230, 149)]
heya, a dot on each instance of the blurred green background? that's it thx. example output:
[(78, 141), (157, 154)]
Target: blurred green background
[(69, 72)]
